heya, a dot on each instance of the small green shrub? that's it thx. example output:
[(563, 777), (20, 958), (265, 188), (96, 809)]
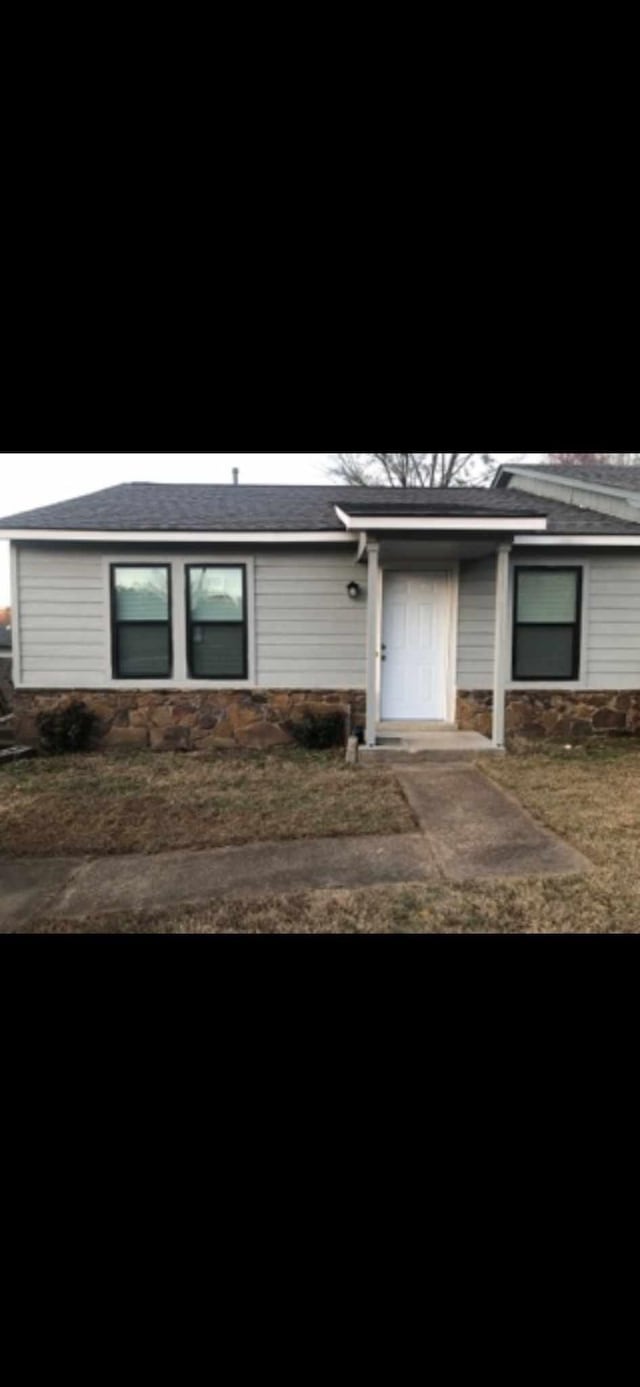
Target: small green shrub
[(67, 729), (319, 731)]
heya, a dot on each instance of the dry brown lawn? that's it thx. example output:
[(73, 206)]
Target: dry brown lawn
[(590, 797), (100, 805)]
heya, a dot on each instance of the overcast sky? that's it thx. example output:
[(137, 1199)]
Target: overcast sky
[(30, 480)]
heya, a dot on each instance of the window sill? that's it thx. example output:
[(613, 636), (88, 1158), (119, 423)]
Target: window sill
[(546, 685), (178, 685)]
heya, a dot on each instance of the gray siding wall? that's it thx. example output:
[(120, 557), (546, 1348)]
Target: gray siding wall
[(612, 620), (308, 633), (61, 617), (476, 624)]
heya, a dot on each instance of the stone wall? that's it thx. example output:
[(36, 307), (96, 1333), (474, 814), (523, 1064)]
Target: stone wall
[(564, 716), (6, 686), (474, 711), (203, 720)]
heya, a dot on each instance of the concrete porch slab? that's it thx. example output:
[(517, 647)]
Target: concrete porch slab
[(427, 746), (408, 728)]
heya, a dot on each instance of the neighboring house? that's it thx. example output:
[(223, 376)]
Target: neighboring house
[(207, 615)]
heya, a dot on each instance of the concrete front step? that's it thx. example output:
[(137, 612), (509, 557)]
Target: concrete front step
[(405, 728), (427, 746), (387, 756)]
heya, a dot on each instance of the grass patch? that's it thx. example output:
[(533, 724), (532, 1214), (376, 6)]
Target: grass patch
[(590, 797), (550, 907), (102, 805), (98, 804)]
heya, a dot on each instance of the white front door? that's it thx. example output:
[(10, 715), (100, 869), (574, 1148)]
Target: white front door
[(415, 640)]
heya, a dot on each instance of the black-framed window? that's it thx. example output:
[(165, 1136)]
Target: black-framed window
[(217, 621), (141, 621), (547, 623)]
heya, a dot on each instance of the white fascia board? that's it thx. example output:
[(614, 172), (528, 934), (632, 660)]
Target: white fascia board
[(580, 541), (182, 537), (484, 524), (632, 498)]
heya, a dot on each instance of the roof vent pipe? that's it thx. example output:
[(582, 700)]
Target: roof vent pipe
[(236, 475)]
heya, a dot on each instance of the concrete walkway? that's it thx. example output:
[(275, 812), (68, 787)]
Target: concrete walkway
[(475, 829), (468, 829)]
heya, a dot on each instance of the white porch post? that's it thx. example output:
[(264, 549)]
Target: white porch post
[(373, 648), (501, 645)]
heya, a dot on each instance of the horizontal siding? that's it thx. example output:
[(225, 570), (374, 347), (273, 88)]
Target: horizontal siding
[(612, 622), (476, 624), (62, 618), (611, 631), (309, 632), (56, 630)]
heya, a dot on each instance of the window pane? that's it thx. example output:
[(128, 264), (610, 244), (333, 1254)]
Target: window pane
[(217, 652), (544, 652), (142, 594), (216, 594), (547, 596), (143, 652)]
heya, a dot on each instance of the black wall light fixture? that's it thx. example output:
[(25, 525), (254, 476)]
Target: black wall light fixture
[(353, 590)]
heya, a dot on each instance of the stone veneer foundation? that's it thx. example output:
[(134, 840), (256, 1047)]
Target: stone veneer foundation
[(570, 716), (203, 720), (214, 719)]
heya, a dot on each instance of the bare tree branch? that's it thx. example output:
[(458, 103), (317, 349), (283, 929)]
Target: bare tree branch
[(412, 469)]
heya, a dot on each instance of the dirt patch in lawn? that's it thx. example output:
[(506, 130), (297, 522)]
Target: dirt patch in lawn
[(103, 805)]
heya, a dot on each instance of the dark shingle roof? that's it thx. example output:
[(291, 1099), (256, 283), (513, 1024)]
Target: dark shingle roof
[(480, 501), (141, 506), (156, 506), (600, 473)]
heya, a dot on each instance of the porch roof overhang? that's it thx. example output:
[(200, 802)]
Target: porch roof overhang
[(428, 519), (415, 549)]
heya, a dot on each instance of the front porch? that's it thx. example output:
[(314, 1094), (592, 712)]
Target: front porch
[(437, 608), (399, 744)]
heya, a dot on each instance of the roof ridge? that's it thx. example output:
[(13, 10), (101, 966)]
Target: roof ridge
[(309, 486)]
